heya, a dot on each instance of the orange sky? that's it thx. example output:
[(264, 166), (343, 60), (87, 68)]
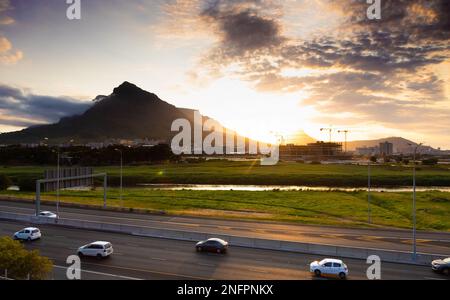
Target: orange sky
[(260, 67)]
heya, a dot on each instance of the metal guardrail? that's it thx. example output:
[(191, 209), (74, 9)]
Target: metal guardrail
[(5, 277)]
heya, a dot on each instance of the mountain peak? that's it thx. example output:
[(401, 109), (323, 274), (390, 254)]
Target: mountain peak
[(127, 88)]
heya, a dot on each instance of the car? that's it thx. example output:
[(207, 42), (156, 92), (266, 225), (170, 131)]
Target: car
[(212, 245), (47, 214), (96, 249), (441, 266), (28, 234), (329, 267)]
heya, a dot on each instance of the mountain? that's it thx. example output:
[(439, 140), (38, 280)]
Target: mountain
[(401, 145), (298, 138), (128, 113)]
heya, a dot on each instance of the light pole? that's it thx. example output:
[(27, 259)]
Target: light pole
[(57, 185), (57, 176), (369, 210), (414, 202), (121, 176)]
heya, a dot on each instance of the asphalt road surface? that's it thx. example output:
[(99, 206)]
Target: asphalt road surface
[(400, 240), (150, 258)]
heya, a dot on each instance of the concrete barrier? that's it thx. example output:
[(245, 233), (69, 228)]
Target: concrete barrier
[(351, 252), (109, 227), (194, 236), (266, 244), (319, 249), (241, 241)]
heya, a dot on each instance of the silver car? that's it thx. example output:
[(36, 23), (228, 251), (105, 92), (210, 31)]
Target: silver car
[(441, 266)]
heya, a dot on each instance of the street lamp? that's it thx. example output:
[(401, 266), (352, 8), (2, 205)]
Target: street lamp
[(121, 176), (57, 179), (57, 185), (369, 210), (58, 176), (414, 201)]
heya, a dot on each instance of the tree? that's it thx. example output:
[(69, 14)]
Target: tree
[(22, 263), (430, 161), (5, 182)]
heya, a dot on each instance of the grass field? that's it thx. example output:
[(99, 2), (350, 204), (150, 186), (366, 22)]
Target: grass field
[(307, 207), (227, 172), (324, 208)]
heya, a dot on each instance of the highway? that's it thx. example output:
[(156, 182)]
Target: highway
[(400, 240), (138, 258)]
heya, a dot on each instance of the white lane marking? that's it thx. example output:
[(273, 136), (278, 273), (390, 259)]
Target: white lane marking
[(151, 272), (207, 265), (159, 259), (103, 274), (258, 271)]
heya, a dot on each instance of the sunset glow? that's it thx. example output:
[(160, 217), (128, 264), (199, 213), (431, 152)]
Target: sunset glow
[(306, 65)]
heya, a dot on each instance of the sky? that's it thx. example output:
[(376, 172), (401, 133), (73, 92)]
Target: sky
[(261, 67)]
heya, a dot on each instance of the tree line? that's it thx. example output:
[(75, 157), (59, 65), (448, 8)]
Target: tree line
[(84, 156)]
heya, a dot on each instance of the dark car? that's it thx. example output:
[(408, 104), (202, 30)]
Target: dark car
[(441, 266), (212, 245)]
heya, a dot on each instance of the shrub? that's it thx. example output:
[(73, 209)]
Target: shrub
[(5, 182), (430, 162), (21, 263)]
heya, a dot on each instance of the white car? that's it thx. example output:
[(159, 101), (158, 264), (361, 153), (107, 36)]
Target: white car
[(28, 234), (47, 214), (97, 249), (329, 267)]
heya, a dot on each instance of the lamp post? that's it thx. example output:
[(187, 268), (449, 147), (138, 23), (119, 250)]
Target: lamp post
[(414, 202), (369, 210), (121, 176), (46, 139), (57, 185)]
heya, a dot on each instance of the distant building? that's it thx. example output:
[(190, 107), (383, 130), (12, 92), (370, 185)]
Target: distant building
[(319, 150), (95, 145), (368, 151), (386, 149)]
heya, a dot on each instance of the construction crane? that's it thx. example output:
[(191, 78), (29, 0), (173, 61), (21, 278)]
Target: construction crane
[(330, 130), (345, 132)]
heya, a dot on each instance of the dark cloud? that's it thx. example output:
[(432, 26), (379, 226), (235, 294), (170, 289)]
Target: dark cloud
[(419, 19), (242, 26), (371, 57), (411, 34), (22, 109)]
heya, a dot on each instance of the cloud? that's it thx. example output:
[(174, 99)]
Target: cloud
[(420, 19), (243, 26), (378, 70), (8, 55), (25, 109), (5, 6)]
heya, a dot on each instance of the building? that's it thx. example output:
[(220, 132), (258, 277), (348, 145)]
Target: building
[(386, 149), (368, 151), (318, 151)]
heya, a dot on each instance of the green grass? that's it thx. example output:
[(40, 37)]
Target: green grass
[(226, 172), (322, 208)]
